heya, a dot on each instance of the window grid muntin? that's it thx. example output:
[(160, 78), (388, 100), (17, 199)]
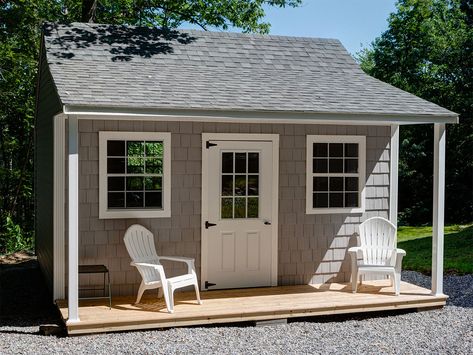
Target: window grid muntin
[(329, 174), (234, 196), (143, 175)]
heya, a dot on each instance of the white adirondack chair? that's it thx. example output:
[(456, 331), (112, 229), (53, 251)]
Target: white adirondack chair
[(140, 245), (378, 253)]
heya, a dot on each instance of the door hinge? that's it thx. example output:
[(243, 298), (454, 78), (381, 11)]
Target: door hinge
[(207, 224), (208, 144), (208, 284)]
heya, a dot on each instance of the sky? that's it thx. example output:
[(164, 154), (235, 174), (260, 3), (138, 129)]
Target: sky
[(356, 23)]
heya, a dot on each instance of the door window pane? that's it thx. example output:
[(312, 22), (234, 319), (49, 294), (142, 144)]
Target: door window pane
[(253, 163), (227, 162), (240, 185), (227, 185), (253, 182), (227, 208), (240, 207), (240, 162), (253, 207)]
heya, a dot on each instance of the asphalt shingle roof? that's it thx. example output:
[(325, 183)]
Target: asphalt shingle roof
[(133, 67)]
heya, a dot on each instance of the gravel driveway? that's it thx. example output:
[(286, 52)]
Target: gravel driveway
[(446, 331)]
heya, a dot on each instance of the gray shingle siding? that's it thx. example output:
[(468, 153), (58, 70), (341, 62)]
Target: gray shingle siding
[(48, 105), (312, 248), (131, 67)]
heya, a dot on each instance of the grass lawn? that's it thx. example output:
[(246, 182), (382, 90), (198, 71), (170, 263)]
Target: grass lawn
[(417, 242)]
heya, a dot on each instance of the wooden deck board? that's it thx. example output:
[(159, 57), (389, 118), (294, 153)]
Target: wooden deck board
[(228, 306)]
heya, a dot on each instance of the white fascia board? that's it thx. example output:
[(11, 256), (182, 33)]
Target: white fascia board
[(123, 113)]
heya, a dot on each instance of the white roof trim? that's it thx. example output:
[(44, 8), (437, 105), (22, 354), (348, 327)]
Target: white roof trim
[(128, 113)]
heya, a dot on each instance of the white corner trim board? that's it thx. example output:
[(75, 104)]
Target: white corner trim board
[(165, 211)]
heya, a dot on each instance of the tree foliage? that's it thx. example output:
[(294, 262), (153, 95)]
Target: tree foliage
[(244, 14), (428, 51), (20, 23)]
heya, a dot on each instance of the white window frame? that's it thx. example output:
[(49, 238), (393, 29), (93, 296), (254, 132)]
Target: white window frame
[(165, 211), (361, 141)]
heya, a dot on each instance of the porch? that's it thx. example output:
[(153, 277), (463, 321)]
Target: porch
[(240, 305)]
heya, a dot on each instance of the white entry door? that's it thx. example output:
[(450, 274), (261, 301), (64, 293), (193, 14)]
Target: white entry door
[(240, 226)]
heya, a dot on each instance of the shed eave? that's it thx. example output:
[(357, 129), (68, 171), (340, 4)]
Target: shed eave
[(247, 116)]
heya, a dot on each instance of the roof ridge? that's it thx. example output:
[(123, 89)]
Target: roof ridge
[(216, 32)]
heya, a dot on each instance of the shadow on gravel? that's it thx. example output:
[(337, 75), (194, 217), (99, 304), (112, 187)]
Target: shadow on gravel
[(24, 298)]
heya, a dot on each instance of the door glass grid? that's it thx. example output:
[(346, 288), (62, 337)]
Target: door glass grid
[(239, 193)]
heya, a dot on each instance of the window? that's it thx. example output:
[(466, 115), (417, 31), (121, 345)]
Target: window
[(239, 194), (335, 174), (134, 173)]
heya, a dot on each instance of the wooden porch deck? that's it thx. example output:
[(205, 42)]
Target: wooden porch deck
[(253, 304)]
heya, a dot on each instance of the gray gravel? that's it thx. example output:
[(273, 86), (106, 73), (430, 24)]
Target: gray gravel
[(446, 331)]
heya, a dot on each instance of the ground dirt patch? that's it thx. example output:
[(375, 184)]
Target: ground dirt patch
[(17, 257), (24, 297)]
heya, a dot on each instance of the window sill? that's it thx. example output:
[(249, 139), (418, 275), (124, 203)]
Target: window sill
[(129, 213), (334, 210)]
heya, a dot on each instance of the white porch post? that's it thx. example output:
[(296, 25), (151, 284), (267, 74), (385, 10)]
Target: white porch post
[(393, 176), (73, 203), (438, 208)]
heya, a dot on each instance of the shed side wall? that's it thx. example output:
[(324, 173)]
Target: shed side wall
[(312, 248), (48, 106)]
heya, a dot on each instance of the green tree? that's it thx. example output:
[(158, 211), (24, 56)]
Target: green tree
[(428, 51), (244, 14), (20, 30)]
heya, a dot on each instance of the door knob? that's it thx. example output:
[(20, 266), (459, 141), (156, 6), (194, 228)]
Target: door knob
[(268, 223)]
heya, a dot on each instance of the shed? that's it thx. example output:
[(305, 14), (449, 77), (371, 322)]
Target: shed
[(283, 145)]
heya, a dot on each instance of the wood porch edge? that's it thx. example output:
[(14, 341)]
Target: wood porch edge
[(114, 326)]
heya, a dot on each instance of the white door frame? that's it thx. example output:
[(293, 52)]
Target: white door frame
[(274, 139)]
